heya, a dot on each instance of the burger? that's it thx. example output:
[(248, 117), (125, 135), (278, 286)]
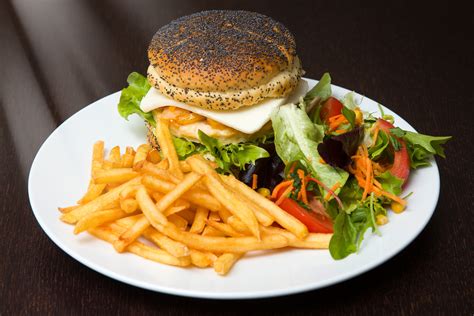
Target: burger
[(216, 76)]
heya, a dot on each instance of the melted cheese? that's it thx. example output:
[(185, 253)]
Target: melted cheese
[(247, 120)]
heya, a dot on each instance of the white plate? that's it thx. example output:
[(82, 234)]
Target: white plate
[(59, 176)]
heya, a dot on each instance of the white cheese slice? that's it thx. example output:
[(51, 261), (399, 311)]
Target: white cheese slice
[(247, 120)]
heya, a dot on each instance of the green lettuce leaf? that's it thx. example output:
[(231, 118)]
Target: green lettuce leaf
[(349, 102), (297, 139), (318, 94), (390, 183), (343, 241), (131, 96), (321, 90), (431, 144), (380, 145), (229, 155), (185, 148), (350, 228)]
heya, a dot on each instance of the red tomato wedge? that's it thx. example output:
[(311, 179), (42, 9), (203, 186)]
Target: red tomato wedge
[(331, 107), (401, 160), (316, 223)]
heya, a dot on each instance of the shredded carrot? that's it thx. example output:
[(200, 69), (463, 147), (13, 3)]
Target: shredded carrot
[(333, 189), (364, 171), (335, 121), (368, 179), (254, 181), (340, 131), (284, 195), (321, 160), (292, 167), (302, 192), (376, 133), (281, 185), (392, 197)]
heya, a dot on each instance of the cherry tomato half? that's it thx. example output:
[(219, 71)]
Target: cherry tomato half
[(331, 107), (401, 160)]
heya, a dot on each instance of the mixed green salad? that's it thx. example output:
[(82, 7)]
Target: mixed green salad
[(327, 162)]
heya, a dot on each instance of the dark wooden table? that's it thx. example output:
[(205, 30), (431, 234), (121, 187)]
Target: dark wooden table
[(58, 56)]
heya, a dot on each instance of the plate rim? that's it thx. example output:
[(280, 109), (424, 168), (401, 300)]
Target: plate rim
[(289, 290)]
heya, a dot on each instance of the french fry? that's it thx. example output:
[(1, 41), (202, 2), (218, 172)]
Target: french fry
[(110, 232), (141, 154), (185, 167), (224, 196), (93, 191), (129, 150), (67, 209), (224, 214), (165, 141), (154, 215), (114, 204), (157, 196), (311, 241), (189, 180), (105, 200), (163, 174), (174, 209), (194, 196), (131, 234), (164, 164), (97, 156), (214, 216), (238, 225), (107, 165), (127, 160), (224, 228), (174, 248), (281, 217), (114, 157), (262, 216), (222, 244), (200, 259), (187, 214), (129, 205), (225, 262), (180, 222), (153, 156), (98, 218), (117, 175), (199, 220), (212, 232), (129, 192)]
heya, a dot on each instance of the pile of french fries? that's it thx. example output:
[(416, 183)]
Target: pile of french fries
[(192, 215)]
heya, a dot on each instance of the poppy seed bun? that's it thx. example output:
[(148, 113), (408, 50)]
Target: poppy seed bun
[(223, 60)]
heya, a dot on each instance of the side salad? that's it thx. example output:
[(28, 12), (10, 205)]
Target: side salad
[(325, 161), (344, 168)]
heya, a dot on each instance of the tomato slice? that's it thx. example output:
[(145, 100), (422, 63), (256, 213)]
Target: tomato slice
[(401, 159), (331, 107), (315, 222)]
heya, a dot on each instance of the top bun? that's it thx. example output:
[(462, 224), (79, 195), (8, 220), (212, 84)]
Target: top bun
[(223, 59)]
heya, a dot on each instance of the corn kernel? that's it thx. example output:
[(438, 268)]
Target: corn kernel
[(264, 192), (381, 219), (397, 207), (358, 116)]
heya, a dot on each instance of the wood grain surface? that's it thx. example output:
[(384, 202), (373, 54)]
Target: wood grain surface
[(58, 56)]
